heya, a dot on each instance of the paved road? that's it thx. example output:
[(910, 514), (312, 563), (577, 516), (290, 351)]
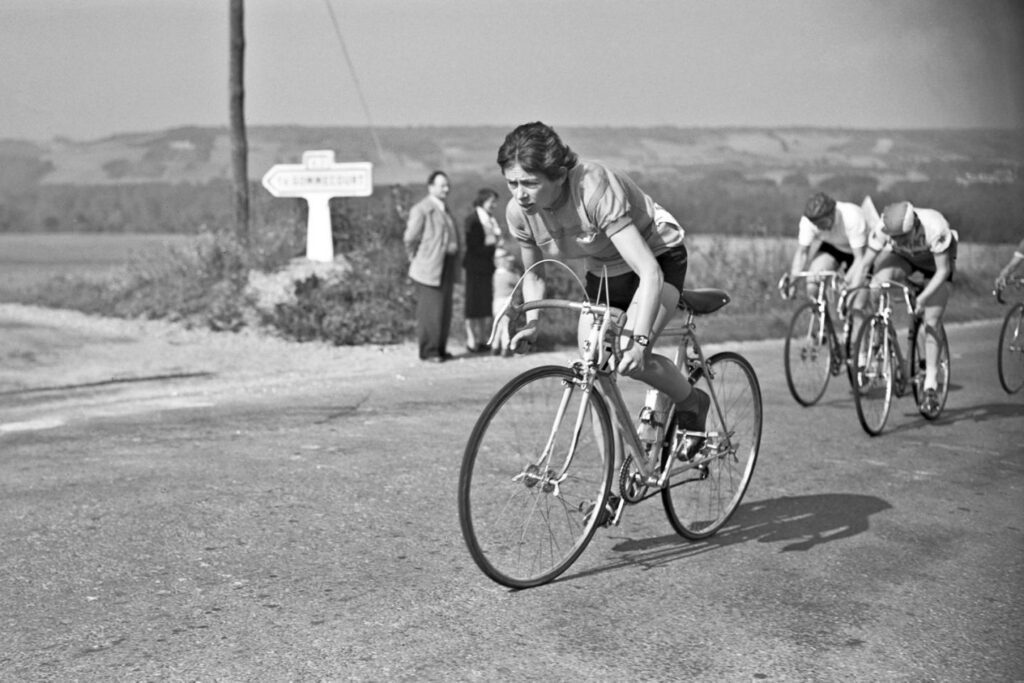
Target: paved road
[(188, 530)]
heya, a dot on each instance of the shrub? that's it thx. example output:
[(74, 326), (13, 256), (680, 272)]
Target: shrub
[(372, 304)]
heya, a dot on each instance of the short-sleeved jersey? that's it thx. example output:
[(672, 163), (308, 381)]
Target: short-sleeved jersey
[(601, 201), (850, 230), (931, 235)]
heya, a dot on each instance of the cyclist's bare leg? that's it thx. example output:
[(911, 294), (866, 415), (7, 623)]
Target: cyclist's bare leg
[(821, 262), (890, 268), (933, 311), (659, 371)]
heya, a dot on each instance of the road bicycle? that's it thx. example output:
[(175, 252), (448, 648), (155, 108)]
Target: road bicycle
[(540, 465), (878, 368), (1010, 359), (813, 351)]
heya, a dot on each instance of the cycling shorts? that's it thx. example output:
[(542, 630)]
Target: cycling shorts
[(841, 257), (621, 288), (923, 263)]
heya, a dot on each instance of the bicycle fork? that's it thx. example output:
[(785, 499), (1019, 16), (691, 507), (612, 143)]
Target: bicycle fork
[(540, 472)]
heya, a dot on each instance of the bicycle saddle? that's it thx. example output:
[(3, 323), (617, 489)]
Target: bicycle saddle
[(703, 301)]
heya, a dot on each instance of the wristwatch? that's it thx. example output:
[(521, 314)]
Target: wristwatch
[(641, 339)]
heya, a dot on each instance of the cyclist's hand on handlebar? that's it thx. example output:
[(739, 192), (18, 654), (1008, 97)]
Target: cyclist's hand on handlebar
[(787, 288), (525, 338), (633, 358)]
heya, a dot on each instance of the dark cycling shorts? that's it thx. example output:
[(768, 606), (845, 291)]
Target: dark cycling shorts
[(841, 257), (924, 263), (623, 287)]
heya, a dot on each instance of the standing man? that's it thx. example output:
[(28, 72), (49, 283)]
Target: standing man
[(434, 245)]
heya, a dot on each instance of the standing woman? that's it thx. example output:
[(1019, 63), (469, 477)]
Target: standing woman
[(434, 245), (482, 236), (568, 208)]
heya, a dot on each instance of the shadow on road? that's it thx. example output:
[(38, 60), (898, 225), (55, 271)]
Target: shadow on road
[(977, 413), (797, 523)]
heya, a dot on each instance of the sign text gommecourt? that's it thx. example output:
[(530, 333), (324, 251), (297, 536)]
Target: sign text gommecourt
[(317, 179)]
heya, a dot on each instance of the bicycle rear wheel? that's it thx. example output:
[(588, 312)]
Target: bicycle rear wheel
[(1011, 350), (701, 501), (917, 362), (536, 472), (808, 355), (872, 374)]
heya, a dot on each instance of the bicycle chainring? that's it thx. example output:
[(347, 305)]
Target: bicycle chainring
[(630, 487)]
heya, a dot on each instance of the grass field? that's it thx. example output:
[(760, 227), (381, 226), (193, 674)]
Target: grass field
[(28, 259), (748, 268)]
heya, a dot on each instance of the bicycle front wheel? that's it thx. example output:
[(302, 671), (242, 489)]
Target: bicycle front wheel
[(1011, 350), (808, 355), (701, 501), (941, 372), (872, 374), (535, 475)]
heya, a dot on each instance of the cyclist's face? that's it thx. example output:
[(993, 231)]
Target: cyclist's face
[(825, 222), (903, 239), (533, 191)]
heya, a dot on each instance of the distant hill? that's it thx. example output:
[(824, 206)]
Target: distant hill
[(725, 180), (199, 155)]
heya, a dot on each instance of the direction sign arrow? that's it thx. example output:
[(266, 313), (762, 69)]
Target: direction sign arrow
[(317, 179)]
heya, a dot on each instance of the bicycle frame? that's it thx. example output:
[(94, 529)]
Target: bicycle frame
[(596, 368), (528, 506), (884, 314), (648, 457), (828, 281)]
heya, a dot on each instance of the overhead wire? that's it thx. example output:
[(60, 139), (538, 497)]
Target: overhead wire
[(355, 80)]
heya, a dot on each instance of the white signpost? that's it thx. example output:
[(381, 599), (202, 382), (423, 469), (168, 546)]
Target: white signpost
[(317, 179)]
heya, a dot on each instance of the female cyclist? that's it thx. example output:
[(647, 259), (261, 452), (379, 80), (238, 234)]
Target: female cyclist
[(566, 208)]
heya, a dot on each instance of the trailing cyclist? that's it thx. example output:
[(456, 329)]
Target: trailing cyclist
[(908, 239), (831, 234), (1011, 267), (568, 208)]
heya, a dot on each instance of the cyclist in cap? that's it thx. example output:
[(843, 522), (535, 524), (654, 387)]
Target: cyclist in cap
[(908, 239), (831, 234)]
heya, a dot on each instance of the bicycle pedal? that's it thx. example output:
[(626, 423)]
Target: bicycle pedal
[(611, 512)]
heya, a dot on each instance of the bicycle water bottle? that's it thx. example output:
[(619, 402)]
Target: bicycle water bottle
[(653, 417)]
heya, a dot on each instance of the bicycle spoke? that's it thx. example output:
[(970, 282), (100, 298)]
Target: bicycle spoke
[(713, 490), (942, 371), (1011, 350), (526, 518), (808, 356), (872, 375)]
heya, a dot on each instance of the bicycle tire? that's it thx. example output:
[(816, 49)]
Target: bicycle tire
[(807, 355), (872, 374), (701, 502), (1010, 361), (521, 529), (917, 361)]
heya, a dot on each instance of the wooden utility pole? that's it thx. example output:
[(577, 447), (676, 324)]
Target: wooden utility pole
[(239, 144)]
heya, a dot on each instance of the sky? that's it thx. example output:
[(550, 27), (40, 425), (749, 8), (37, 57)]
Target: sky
[(87, 69)]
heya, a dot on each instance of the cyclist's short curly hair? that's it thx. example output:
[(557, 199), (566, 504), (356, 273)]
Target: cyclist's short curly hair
[(819, 205), (538, 149)]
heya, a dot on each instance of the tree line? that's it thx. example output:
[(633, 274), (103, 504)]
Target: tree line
[(722, 202)]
